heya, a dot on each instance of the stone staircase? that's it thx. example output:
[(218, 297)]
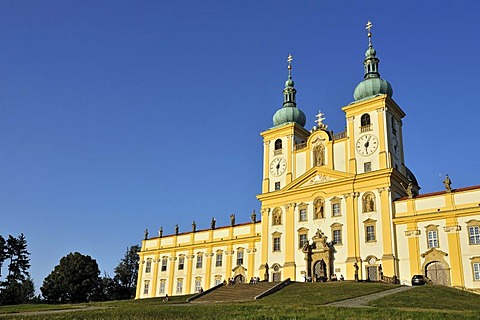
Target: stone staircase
[(237, 292)]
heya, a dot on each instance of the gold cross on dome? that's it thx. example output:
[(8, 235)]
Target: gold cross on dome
[(369, 26), (289, 60)]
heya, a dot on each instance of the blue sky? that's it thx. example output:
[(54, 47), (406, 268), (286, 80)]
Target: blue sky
[(118, 116)]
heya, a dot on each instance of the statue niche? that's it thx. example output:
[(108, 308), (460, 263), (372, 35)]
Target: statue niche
[(368, 203), (319, 154), (277, 217), (319, 205)]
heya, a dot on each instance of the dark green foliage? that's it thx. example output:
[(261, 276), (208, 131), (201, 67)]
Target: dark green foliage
[(75, 279), (17, 291), (125, 279), (17, 287), (3, 252)]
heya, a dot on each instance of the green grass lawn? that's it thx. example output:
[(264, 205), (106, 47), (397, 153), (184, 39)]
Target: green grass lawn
[(297, 301)]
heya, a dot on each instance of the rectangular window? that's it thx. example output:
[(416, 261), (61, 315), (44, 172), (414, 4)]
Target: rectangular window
[(302, 239), (148, 266), (474, 233), (218, 261), (161, 288), (181, 262), (239, 258), (146, 286), (164, 264), (370, 230), (218, 280), (277, 185), (276, 244), (303, 215), (476, 271), (198, 284), (336, 209), (337, 236), (199, 261), (179, 285), (367, 167), (432, 239)]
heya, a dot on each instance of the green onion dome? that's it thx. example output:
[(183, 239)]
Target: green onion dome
[(289, 112), (372, 84)]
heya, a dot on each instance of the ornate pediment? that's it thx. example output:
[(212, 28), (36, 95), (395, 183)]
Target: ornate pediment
[(433, 252), (319, 178)]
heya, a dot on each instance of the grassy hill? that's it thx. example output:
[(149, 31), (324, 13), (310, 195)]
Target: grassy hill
[(297, 301)]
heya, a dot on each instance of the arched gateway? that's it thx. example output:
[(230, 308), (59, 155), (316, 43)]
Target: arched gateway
[(319, 258)]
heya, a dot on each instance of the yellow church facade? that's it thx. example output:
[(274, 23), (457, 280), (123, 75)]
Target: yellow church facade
[(332, 205)]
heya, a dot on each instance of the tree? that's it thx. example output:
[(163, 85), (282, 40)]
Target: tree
[(18, 286), (126, 273), (74, 279), (3, 252)]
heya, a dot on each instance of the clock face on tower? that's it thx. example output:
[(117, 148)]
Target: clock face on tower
[(278, 166), (367, 144)]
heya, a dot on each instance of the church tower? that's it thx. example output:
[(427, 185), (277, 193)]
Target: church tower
[(326, 198)]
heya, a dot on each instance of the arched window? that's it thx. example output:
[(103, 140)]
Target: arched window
[(365, 120), (278, 144)]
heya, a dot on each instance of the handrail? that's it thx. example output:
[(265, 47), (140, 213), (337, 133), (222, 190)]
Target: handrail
[(279, 286)]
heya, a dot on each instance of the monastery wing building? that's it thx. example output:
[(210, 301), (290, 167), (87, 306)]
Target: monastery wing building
[(341, 204)]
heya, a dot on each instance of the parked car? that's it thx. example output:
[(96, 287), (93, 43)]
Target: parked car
[(419, 279)]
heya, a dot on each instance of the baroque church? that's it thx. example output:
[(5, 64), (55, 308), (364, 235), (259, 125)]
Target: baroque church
[(332, 204)]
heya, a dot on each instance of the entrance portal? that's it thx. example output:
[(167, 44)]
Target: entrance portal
[(438, 273), (372, 273), (239, 279), (320, 271)]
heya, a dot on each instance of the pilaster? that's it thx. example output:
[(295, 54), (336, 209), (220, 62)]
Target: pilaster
[(383, 152), (353, 244), (208, 271), (352, 164), (388, 259), (412, 235), (266, 162), (140, 274), (289, 149), (171, 272), (455, 250), (289, 266), (155, 274), (189, 272)]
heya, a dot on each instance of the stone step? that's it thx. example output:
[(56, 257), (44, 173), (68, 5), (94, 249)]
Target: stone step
[(236, 292)]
